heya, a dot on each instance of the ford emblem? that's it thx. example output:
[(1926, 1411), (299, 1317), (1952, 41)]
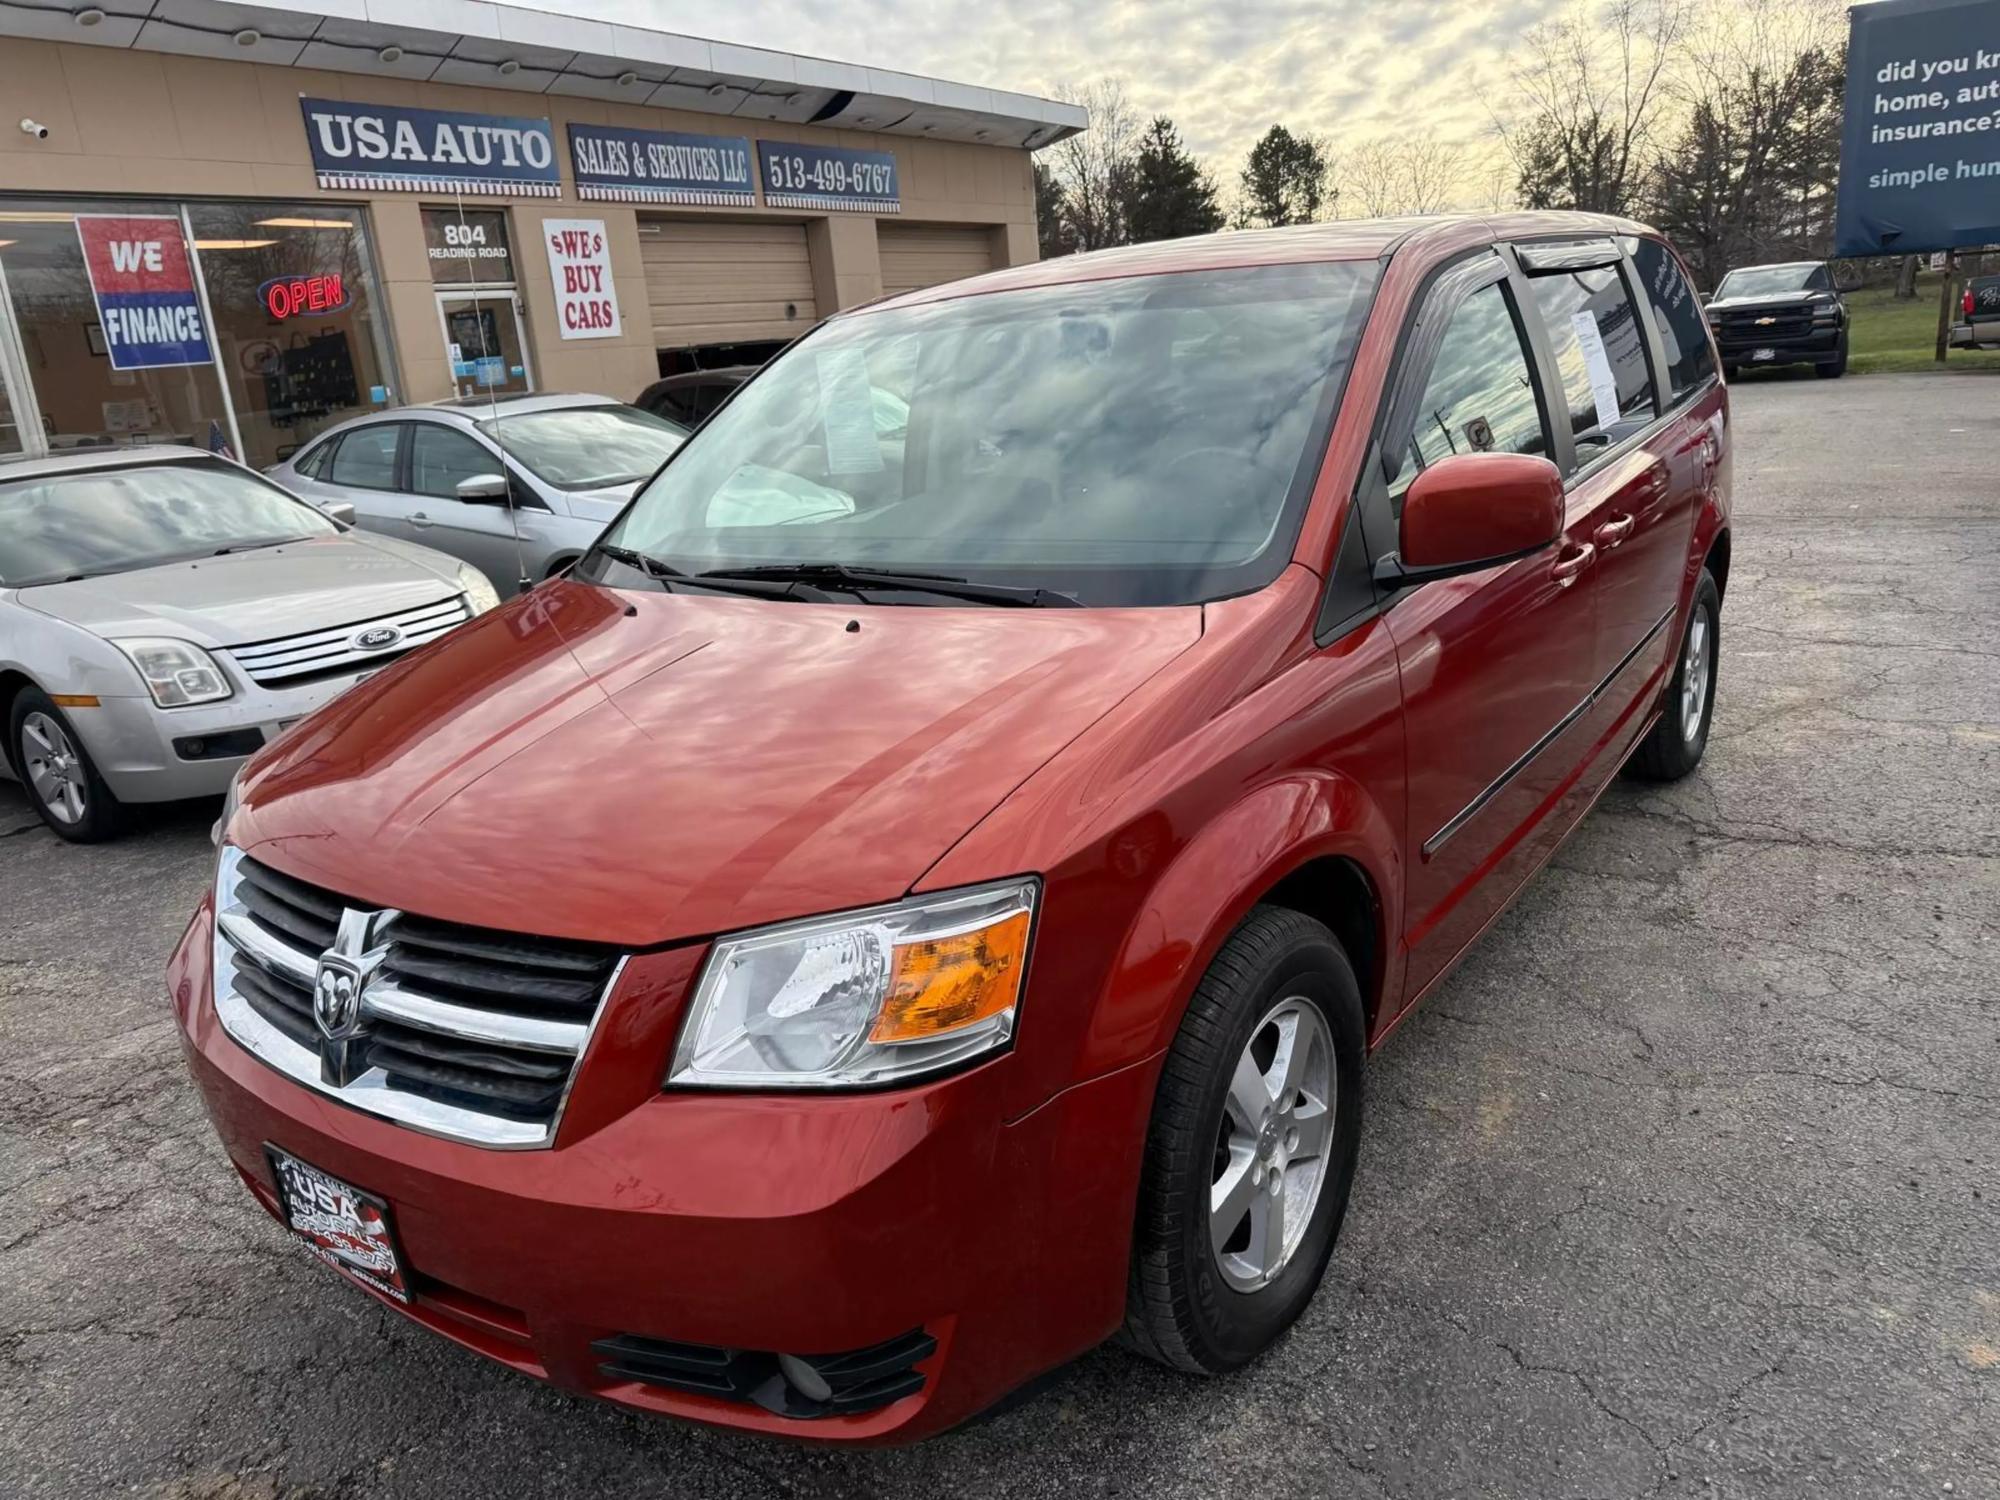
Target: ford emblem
[(376, 638)]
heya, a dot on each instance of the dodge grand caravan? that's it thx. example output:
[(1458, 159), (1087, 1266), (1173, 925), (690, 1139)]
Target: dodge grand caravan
[(904, 909)]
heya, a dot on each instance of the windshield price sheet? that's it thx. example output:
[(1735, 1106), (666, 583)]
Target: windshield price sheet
[(836, 178)]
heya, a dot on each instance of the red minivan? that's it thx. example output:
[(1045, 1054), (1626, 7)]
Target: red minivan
[(918, 898)]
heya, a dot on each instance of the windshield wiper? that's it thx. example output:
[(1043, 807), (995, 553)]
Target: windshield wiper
[(645, 562), (840, 575), (276, 541)]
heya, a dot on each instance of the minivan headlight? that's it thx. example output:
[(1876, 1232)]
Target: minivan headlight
[(480, 595), (177, 673), (868, 997)]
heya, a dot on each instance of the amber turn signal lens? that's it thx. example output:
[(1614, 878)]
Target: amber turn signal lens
[(939, 985)]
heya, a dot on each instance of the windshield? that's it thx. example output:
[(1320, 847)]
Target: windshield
[(63, 526), (1767, 281), (1149, 440), (586, 447)]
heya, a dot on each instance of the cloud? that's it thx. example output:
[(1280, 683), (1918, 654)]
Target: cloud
[(1345, 69)]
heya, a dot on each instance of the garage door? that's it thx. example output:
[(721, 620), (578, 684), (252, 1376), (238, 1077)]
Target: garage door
[(915, 255), (725, 283)]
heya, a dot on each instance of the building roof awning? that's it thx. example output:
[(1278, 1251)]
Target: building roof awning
[(486, 45)]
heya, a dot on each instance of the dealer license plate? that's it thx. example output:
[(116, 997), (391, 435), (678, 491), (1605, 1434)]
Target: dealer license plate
[(343, 1226), (1763, 353)]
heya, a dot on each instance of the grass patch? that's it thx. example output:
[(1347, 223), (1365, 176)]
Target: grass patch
[(1888, 336)]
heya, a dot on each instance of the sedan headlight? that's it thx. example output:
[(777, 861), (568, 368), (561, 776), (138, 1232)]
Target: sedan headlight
[(867, 997), (480, 595), (177, 673)]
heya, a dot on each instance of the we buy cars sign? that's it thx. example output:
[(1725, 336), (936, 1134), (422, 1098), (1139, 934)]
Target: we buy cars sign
[(144, 285), (580, 266)]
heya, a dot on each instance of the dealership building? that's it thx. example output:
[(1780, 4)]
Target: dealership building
[(227, 224)]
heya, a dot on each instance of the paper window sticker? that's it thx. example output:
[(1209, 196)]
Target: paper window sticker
[(1603, 384), (847, 412)]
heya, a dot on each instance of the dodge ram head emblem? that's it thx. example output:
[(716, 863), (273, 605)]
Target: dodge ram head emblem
[(337, 997), (375, 638), (340, 984)]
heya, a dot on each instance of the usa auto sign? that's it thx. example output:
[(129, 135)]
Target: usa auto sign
[(389, 148)]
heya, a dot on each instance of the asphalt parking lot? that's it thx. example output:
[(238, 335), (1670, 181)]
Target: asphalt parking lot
[(1687, 1184)]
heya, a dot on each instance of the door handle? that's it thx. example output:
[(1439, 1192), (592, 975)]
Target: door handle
[(1612, 532), (418, 518), (1572, 563)]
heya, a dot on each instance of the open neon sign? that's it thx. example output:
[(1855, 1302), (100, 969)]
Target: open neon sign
[(303, 296)]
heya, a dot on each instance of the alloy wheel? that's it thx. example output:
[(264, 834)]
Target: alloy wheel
[(1694, 676), (55, 768), (1271, 1148)]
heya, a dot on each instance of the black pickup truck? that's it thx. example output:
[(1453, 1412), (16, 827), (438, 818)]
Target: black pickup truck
[(1780, 315), (1979, 313)]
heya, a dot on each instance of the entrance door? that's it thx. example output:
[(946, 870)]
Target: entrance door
[(485, 343)]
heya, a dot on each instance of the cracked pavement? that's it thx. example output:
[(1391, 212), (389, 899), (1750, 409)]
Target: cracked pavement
[(1684, 1185)]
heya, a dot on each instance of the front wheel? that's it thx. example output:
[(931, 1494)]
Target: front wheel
[(57, 771), (1250, 1154), (1675, 743), (1836, 367)]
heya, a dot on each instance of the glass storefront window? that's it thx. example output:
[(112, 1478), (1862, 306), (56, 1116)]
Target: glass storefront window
[(73, 394), (298, 331), (300, 325)]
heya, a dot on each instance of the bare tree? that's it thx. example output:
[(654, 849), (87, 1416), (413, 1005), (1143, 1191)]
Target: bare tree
[(1392, 175), (1582, 123), (1094, 166)]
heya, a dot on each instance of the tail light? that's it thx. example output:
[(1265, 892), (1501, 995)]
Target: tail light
[(1966, 303)]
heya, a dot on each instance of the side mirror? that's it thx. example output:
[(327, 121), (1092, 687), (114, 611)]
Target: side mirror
[(339, 510), (1471, 512), (481, 488)]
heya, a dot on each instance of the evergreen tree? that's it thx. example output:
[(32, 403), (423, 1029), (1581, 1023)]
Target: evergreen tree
[(1167, 195), (1052, 228), (1285, 180)]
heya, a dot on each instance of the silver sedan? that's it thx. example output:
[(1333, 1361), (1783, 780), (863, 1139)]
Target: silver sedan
[(164, 612), (518, 486)]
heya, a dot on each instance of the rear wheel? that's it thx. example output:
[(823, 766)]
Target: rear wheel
[(1674, 745), (1250, 1154), (57, 771)]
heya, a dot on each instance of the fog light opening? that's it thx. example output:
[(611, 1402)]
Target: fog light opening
[(804, 1379)]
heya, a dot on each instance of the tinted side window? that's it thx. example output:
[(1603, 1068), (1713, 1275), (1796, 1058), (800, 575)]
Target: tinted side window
[(1480, 394), (1677, 314), (366, 458), (1819, 281), (440, 458), (1600, 353)]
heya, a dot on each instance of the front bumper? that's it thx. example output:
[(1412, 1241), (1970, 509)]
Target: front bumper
[(737, 1222), (1817, 344), (132, 740)]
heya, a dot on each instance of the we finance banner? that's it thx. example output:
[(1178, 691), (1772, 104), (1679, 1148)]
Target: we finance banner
[(143, 281)]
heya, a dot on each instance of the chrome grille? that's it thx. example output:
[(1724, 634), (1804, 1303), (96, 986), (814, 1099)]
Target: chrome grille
[(459, 1031), (326, 653)]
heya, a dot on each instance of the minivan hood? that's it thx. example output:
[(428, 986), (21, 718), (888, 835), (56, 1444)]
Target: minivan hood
[(252, 596), (701, 764)]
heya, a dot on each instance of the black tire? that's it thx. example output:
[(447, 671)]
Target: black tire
[(1836, 367), (102, 815), (1668, 752), (1180, 1310), (1729, 372)]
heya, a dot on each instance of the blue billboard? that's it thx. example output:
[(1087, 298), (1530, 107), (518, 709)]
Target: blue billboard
[(1920, 145), (376, 148), (829, 177), (621, 164)]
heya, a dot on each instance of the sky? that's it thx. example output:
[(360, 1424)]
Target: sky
[(1349, 70)]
